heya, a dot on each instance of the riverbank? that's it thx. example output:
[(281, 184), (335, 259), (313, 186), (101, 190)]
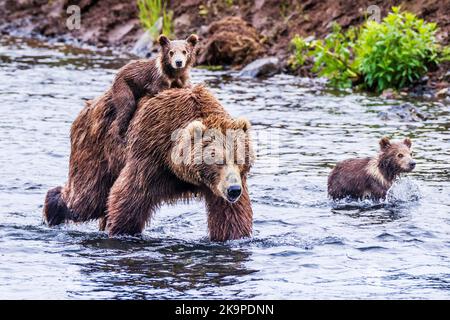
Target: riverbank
[(270, 25)]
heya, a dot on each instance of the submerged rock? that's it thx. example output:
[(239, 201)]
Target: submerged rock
[(261, 67), (389, 94), (443, 93), (405, 112)]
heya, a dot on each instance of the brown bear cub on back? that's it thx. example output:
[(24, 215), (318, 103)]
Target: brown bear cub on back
[(170, 69), (362, 178)]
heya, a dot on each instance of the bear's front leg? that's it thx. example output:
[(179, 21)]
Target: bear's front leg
[(229, 221), (129, 204)]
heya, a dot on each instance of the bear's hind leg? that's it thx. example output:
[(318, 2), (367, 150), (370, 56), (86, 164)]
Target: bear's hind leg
[(55, 209)]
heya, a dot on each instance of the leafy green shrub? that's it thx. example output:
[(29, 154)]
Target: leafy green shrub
[(154, 17), (396, 52), (332, 56), (390, 54)]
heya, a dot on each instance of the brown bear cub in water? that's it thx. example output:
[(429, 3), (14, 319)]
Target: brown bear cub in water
[(170, 69), (371, 178)]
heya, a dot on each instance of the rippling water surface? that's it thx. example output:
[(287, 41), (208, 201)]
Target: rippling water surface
[(303, 246)]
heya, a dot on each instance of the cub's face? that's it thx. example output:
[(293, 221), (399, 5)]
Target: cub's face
[(178, 54), (398, 155), (216, 158)]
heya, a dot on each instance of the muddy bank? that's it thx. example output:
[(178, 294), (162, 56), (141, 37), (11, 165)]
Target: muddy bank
[(271, 25)]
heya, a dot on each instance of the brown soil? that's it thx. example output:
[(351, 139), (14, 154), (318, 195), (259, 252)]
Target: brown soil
[(273, 22), (112, 23)]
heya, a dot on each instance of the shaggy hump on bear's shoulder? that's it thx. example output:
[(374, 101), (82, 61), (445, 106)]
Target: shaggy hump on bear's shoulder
[(150, 174), (361, 178)]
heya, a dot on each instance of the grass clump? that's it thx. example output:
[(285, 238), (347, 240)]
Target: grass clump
[(391, 54), (155, 17)]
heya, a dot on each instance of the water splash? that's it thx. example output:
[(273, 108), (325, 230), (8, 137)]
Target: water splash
[(404, 190)]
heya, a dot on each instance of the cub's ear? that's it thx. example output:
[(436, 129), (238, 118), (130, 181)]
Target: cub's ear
[(407, 142), (242, 123), (192, 39), (163, 40), (385, 143)]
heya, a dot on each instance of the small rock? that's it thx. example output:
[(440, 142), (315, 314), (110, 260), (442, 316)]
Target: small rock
[(383, 115), (424, 80), (261, 67), (310, 39), (447, 76), (442, 93), (389, 94), (144, 45)]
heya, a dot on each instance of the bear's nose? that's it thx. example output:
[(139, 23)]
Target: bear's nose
[(412, 164), (233, 192), (179, 63)]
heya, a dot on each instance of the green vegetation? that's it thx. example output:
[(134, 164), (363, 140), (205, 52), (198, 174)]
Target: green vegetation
[(390, 54), (155, 17), (211, 68), (333, 56)]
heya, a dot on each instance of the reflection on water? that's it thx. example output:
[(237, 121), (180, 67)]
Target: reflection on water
[(304, 246), (169, 268)]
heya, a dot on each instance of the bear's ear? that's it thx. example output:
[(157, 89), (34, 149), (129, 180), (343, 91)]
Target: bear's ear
[(242, 123), (407, 142), (192, 39), (163, 40), (385, 143)]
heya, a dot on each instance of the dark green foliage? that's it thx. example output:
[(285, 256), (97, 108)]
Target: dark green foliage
[(390, 54)]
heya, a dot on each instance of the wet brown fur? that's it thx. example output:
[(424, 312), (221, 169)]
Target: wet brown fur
[(361, 178), (129, 183)]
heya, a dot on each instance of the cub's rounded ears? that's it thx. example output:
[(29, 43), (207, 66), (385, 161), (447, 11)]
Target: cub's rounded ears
[(192, 39), (385, 143), (163, 40), (407, 142)]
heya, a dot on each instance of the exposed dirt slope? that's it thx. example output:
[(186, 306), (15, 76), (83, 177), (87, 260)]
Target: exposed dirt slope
[(114, 22), (272, 23)]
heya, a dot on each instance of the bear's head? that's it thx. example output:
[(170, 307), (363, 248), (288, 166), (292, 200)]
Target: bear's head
[(214, 153), (178, 54), (396, 157)]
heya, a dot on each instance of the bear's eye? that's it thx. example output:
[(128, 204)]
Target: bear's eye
[(171, 53), (184, 52), (400, 155)]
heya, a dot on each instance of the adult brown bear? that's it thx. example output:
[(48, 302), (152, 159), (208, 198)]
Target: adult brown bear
[(124, 184)]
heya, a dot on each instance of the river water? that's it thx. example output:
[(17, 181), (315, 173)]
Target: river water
[(304, 246)]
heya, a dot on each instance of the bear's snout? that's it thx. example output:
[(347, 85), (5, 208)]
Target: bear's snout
[(230, 183), (178, 61), (234, 192), (412, 164)]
